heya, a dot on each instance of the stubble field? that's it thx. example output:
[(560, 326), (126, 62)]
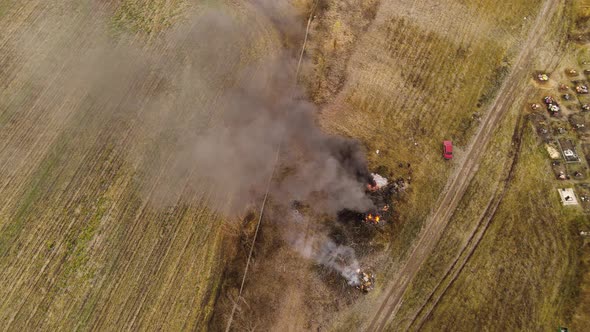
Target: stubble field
[(96, 232), (104, 227)]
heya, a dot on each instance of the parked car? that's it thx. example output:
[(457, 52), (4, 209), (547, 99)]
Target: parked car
[(447, 150)]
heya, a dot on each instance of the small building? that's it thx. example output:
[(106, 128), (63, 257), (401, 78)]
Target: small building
[(568, 197)]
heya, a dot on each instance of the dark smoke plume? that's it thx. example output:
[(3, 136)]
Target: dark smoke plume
[(238, 154), (202, 110), (207, 105), (234, 155)]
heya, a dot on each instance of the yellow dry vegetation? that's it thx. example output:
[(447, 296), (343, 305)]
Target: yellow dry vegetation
[(523, 273), (147, 16), (524, 257), (83, 243), (419, 76), (422, 73)]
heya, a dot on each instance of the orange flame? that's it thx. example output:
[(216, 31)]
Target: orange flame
[(373, 218)]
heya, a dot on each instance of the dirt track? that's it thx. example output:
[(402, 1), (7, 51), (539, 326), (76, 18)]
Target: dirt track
[(467, 251), (459, 181), (454, 269)]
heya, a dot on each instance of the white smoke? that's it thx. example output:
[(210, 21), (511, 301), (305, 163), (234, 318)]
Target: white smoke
[(342, 259), (323, 250)]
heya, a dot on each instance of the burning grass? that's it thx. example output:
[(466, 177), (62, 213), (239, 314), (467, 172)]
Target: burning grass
[(366, 281)]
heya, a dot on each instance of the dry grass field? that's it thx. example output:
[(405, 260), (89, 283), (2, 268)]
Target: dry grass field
[(526, 273), (90, 101), (420, 76), (105, 226), (392, 115)]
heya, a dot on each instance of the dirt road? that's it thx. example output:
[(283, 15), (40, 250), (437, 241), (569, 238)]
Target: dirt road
[(463, 256), (459, 181)]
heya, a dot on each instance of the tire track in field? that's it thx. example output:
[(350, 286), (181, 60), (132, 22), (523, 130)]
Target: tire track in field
[(473, 241), (483, 223), (457, 184), (89, 163)]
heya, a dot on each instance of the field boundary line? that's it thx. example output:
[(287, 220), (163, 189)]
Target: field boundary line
[(276, 162)]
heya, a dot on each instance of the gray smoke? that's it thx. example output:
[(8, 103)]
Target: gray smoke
[(237, 155), (342, 259), (233, 155), (326, 252), (201, 111)]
